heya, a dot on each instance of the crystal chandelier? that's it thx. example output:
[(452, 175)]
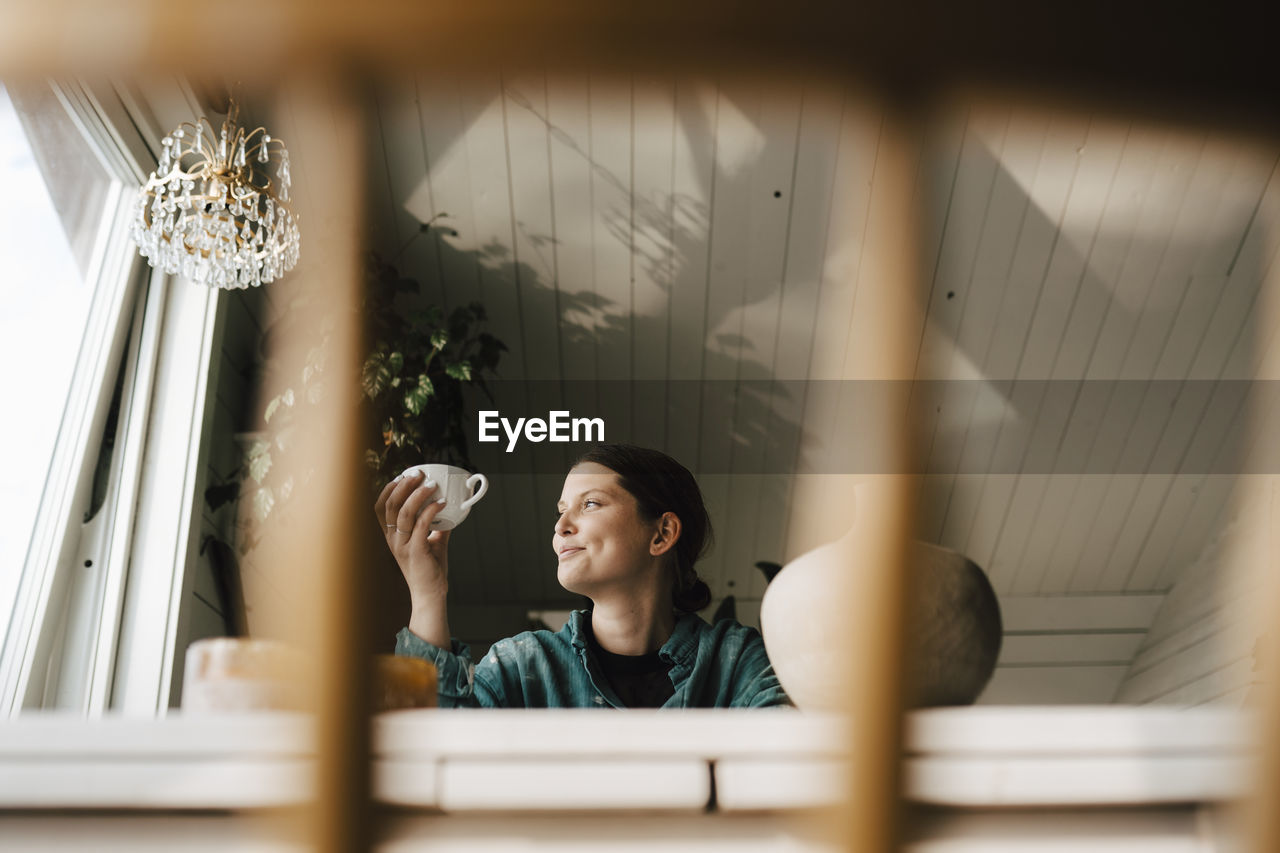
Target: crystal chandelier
[(215, 209)]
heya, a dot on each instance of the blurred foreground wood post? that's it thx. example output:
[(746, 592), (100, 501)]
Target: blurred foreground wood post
[(873, 817), (1262, 810), (322, 553)]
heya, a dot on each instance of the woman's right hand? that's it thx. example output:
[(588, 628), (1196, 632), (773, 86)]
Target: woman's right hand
[(405, 510)]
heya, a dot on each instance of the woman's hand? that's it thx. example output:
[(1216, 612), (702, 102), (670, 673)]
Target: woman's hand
[(405, 510)]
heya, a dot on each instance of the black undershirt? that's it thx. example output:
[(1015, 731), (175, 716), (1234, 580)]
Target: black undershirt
[(641, 681)]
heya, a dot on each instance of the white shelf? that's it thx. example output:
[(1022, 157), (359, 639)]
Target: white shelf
[(530, 761)]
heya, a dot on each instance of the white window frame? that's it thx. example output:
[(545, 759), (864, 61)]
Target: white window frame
[(99, 605)]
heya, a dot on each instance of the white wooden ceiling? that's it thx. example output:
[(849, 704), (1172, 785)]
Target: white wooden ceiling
[(648, 228)]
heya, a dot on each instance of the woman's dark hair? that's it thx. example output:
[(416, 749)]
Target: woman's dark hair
[(661, 484)]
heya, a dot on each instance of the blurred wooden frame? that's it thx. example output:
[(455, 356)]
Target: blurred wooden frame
[(1190, 65)]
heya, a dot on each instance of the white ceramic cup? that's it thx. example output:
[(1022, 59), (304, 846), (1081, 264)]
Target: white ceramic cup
[(456, 486)]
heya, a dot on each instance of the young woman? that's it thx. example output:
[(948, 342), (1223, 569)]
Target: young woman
[(631, 524)]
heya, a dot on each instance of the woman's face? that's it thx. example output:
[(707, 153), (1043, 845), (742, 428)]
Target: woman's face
[(600, 538)]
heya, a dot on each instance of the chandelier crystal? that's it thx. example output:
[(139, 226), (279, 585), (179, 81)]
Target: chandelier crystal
[(215, 210)]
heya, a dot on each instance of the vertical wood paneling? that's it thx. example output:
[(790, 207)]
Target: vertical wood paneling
[(846, 230), (571, 175), (1038, 502), (532, 225), (653, 141), (999, 542), (409, 197), (533, 275), (692, 189), (1196, 651), (962, 233), (1077, 356), (811, 194), (1140, 290), (738, 142), (484, 144), (1202, 347), (1147, 337), (611, 157), (625, 229), (443, 121), (462, 126), (770, 180)]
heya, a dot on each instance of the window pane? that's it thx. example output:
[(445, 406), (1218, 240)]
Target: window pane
[(54, 190)]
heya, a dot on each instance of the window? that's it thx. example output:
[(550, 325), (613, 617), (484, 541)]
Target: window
[(81, 334), (47, 240)]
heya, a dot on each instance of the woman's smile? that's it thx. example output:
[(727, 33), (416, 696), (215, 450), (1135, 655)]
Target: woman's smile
[(599, 537)]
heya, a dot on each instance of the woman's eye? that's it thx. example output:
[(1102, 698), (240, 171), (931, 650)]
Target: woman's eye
[(590, 502)]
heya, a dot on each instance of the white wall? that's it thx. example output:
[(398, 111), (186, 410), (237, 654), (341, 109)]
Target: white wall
[(1201, 648), (1067, 649)]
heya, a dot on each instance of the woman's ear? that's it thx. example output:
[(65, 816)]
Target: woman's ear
[(666, 534)]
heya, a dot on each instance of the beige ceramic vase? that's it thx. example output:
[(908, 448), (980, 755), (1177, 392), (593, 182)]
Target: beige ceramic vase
[(804, 610)]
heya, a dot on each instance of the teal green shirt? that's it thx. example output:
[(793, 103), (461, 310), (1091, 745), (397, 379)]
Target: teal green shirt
[(712, 666)]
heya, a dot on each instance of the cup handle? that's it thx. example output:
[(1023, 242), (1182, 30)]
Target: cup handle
[(484, 487)]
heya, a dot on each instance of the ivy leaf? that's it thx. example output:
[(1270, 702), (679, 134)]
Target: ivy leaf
[(395, 363), (415, 400), (375, 376), (287, 397), (263, 502), (459, 370), (372, 459), (260, 463), (438, 339)]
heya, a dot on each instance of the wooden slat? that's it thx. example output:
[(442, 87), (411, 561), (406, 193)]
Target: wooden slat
[(329, 605), (876, 689)]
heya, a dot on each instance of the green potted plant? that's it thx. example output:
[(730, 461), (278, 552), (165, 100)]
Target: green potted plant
[(419, 361)]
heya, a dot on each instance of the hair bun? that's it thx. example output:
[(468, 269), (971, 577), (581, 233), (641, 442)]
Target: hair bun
[(692, 598)]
